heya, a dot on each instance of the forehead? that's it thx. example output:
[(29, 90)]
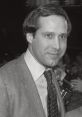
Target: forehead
[(53, 23)]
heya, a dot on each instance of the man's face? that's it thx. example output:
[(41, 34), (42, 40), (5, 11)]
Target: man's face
[(50, 41)]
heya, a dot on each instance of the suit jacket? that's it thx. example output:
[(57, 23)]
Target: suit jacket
[(18, 93)]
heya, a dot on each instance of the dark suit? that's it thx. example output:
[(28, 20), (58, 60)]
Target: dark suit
[(18, 94)]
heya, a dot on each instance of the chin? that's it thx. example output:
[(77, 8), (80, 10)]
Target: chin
[(52, 64)]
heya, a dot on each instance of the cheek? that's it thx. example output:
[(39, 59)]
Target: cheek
[(63, 46), (37, 48), (40, 44)]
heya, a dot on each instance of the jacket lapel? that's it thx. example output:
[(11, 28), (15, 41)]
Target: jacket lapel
[(34, 98)]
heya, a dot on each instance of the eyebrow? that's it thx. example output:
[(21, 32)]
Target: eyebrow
[(54, 33)]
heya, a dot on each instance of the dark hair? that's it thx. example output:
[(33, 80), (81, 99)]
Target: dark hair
[(31, 21)]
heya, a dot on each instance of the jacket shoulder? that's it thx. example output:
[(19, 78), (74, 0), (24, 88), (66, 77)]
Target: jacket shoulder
[(11, 70)]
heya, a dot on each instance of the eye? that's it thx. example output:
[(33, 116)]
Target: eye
[(63, 36), (49, 36)]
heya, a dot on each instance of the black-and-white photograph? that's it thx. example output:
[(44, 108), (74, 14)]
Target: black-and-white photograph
[(40, 58)]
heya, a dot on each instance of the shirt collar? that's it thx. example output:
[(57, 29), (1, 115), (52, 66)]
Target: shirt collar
[(34, 66)]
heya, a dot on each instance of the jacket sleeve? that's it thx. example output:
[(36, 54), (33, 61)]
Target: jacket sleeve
[(4, 100)]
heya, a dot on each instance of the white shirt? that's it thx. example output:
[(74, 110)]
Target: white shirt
[(37, 71)]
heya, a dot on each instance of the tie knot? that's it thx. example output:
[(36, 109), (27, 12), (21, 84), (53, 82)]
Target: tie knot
[(48, 76)]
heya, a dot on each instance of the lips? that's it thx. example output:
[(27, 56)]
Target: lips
[(53, 55)]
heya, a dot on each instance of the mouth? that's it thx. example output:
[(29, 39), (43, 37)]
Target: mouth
[(53, 55)]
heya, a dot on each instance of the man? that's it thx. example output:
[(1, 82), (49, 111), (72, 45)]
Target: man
[(21, 95)]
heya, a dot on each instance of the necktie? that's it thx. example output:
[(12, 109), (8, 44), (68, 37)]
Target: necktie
[(52, 105)]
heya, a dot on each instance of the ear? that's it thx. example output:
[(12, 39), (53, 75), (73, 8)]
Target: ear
[(29, 37)]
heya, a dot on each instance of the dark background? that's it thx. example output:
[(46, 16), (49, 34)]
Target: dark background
[(12, 42)]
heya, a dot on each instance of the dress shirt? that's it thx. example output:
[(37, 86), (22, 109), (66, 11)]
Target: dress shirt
[(37, 71)]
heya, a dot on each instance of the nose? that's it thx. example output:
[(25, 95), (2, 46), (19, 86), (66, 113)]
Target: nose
[(56, 43)]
